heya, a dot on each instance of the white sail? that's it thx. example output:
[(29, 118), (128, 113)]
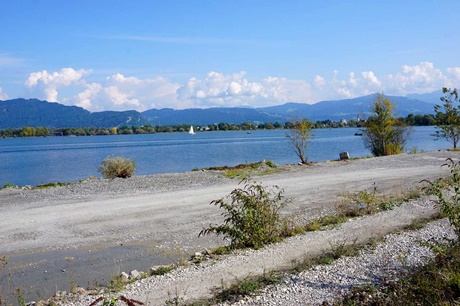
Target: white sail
[(191, 132)]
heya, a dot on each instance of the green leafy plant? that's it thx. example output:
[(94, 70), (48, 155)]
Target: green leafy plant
[(448, 199), (252, 217), (248, 286), (112, 301), (113, 167), (162, 270)]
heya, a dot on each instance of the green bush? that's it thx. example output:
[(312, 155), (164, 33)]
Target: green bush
[(112, 167), (449, 195), (252, 216)]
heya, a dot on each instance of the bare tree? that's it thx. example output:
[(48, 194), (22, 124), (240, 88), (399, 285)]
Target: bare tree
[(298, 137)]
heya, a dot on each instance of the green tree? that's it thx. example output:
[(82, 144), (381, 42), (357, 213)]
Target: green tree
[(42, 131), (384, 134), (447, 119), (28, 131), (298, 138)]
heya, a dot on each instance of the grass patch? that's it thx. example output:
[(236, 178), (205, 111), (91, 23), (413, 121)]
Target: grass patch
[(51, 185), (327, 221), (370, 202), (162, 270), (248, 286), (242, 171)]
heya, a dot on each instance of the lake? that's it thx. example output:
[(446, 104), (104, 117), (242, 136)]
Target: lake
[(33, 161)]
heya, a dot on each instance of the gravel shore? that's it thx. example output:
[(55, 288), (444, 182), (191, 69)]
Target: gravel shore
[(171, 209), (385, 260)]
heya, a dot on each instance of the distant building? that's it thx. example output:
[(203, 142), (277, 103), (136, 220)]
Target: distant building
[(344, 121)]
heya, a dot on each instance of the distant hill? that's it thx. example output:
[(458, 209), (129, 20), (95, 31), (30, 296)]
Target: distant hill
[(347, 109), (18, 113), (168, 116), (432, 97)]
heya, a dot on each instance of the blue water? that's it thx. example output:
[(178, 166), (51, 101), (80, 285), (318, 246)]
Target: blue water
[(33, 161)]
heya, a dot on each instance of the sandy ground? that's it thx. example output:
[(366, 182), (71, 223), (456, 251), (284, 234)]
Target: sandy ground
[(175, 217)]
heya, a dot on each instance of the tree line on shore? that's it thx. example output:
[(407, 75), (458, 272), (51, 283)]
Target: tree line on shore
[(28, 131)]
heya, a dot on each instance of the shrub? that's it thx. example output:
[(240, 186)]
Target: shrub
[(383, 133), (112, 167), (449, 199), (252, 216)]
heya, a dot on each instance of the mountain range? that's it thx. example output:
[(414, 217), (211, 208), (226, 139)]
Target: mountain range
[(17, 113)]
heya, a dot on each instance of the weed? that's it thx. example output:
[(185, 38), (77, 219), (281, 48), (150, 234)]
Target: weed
[(313, 226), (325, 221), (113, 167), (51, 185), (117, 283), (162, 270), (222, 250), (20, 298), (9, 185), (291, 228), (72, 284), (242, 171), (248, 286), (252, 217), (112, 301), (449, 202), (337, 250)]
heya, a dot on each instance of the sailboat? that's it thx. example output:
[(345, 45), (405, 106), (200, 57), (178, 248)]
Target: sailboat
[(191, 132)]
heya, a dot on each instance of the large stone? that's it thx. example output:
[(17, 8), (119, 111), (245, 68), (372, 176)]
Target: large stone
[(344, 156), (135, 274)]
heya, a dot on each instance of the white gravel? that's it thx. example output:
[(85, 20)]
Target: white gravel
[(398, 252), (324, 282)]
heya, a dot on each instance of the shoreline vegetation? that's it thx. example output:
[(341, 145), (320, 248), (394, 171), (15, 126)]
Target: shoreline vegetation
[(28, 131)]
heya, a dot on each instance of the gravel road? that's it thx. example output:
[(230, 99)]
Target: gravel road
[(161, 209)]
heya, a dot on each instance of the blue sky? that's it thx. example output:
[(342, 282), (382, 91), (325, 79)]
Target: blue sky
[(120, 55)]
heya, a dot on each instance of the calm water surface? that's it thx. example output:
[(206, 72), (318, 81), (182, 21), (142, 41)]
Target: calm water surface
[(33, 161)]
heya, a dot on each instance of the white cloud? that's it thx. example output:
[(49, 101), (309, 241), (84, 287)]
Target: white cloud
[(10, 61), (421, 78), (217, 89), (371, 78), (120, 92), (50, 82), (454, 77), (319, 81), (3, 95)]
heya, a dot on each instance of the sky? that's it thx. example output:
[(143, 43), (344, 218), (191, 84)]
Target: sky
[(138, 55)]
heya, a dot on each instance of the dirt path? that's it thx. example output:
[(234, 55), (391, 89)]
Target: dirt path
[(178, 215)]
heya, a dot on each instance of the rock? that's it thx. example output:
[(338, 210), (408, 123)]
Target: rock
[(344, 156), (124, 276), (81, 291), (135, 275)]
